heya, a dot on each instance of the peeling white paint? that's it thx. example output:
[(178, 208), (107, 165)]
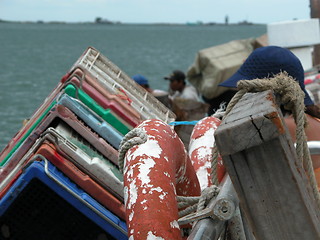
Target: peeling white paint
[(133, 194), (131, 216), (153, 237), (202, 174), (204, 153), (129, 172), (162, 196), (143, 202), (145, 123), (207, 139), (131, 238), (145, 168), (156, 129), (157, 189), (125, 195), (150, 148)]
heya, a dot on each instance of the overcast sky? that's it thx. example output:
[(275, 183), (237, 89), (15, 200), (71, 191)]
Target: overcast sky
[(154, 11)]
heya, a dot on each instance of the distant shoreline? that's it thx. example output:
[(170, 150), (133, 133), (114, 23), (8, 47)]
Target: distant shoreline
[(120, 23)]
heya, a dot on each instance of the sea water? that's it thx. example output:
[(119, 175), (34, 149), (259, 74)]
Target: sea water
[(34, 57)]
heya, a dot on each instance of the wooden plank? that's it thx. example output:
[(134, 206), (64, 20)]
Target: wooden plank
[(260, 158)]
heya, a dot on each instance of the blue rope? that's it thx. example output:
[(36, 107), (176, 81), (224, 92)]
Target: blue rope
[(183, 123)]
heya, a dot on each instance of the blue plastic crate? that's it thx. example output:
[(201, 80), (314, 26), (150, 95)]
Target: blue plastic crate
[(92, 218)]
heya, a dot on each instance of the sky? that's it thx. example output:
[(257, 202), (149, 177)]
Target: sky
[(155, 11)]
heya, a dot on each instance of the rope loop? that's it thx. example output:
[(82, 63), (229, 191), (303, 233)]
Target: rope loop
[(206, 195), (135, 137), (197, 203)]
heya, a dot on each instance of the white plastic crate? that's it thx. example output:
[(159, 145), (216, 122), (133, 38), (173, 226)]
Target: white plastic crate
[(115, 81)]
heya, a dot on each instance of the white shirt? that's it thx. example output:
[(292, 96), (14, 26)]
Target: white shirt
[(189, 92)]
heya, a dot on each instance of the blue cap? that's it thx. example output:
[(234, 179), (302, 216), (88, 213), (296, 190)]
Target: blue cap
[(141, 80), (266, 62)]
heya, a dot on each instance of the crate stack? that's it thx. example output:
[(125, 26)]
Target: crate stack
[(59, 175)]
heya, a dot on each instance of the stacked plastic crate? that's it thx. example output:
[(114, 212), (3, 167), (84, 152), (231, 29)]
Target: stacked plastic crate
[(59, 175)]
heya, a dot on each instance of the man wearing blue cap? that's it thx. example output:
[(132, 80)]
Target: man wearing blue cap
[(142, 81), (161, 95), (265, 62)]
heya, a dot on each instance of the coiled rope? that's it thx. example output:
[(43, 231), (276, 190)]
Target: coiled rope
[(135, 137), (195, 204)]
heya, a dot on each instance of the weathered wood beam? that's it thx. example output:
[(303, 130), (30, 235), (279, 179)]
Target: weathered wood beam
[(272, 187)]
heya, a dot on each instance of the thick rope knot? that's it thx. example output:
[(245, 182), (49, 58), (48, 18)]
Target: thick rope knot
[(196, 204), (206, 195), (135, 137), (282, 84)]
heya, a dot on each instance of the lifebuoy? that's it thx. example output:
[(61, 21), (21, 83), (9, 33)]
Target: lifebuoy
[(200, 151), (155, 172)]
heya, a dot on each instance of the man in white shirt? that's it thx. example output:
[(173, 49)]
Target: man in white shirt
[(186, 104), (180, 88)]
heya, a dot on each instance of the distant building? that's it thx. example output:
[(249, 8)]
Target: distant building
[(100, 20), (245, 22)]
